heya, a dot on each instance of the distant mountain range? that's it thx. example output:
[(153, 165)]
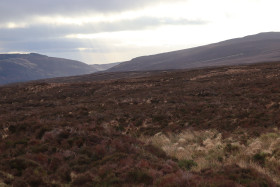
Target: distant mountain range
[(263, 47), (33, 66)]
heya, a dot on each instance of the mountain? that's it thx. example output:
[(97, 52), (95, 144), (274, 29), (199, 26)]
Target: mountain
[(25, 67), (103, 67), (262, 47)]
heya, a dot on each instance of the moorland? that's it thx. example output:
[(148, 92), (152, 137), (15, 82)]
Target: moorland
[(215, 126)]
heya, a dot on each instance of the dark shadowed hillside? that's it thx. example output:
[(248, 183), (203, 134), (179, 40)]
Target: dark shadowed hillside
[(263, 47), (24, 67), (203, 127)]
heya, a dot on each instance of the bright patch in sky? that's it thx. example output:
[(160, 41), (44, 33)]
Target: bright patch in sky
[(98, 34)]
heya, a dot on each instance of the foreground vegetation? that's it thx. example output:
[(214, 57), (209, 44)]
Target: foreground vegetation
[(210, 127), (200, 150)]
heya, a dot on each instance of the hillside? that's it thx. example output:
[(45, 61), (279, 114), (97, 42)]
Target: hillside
[(25, 67), (203, 127), (263, 47)]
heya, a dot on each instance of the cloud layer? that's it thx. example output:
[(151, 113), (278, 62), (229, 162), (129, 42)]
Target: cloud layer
[(12, 10)]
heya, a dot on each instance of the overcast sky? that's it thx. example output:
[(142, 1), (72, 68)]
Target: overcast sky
[(104, 31)]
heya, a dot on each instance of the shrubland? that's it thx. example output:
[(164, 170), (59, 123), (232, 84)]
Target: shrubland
[(204, 127)]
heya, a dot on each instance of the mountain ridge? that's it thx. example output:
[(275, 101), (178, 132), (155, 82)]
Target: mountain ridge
[(249, 49)]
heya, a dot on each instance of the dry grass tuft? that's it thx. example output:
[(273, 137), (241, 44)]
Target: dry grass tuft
[(209, 150)]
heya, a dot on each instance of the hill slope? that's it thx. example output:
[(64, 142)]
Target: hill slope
[(205, 127), (103, 67), (24, 67), (263, 47)]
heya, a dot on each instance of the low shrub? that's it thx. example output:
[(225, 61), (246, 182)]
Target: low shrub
[(156, 151), (187, 164), (139, 177), (259, 158), (229, 148)]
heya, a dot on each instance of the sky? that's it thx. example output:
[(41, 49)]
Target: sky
[(107, 31)]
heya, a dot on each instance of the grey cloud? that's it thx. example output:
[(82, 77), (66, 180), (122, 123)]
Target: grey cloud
[(11, 10), (53, 45), (46, 31)]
